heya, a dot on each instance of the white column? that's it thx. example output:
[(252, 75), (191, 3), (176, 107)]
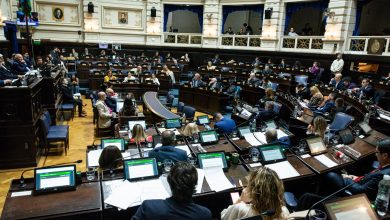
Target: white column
[(91, 26), (211, 18), (154, 26), (272, 28)]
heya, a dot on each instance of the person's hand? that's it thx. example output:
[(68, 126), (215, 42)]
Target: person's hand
[(23, 61), (7, 82), (347, 176)]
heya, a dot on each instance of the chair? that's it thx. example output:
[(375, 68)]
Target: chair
[(238, 92), (180, 107), (169, 101), (67, 107), (277, 107), (274, 86), (51, 136), (301, 79), (189, 112), (340, 122), (291, 201), (54, 127)]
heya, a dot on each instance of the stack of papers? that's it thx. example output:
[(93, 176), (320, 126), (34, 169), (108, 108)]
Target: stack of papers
[(281, 134), (326, 161), (261, 137), (251, 139), (161, 130), (284, 169), (217, 179), (185, 148)]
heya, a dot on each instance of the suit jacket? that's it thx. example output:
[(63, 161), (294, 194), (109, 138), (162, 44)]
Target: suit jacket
[(329, 105), (169, 209), (168, 152), (18, 68), (215, 86), (225, 125), (369, 185), (67, 95), (338, 86), (197, 83), (111, 103), (5, 73), (266, 115), (104, 114), (368, 91)]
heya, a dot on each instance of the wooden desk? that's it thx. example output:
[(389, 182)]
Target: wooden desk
[(83, 203), (222, 145), (362, 147), (203, 100)]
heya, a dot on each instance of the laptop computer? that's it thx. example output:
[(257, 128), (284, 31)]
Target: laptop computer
[(118, 142), (271, 153), (119, 105), (202, 120), (173, 123), (208, 137), (351, 207), (316, 145), (54, 179), (140, 168), (132, 123), (243, 131), (212, 159)]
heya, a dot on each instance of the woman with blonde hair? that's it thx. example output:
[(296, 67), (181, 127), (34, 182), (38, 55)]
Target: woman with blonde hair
[(316, 97), (319, 127), (264, 192), (138, 135), (190, 129), (269, 95)]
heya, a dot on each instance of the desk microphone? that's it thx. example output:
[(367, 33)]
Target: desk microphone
[(22, 184)]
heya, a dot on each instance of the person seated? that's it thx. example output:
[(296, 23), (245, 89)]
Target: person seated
[(169, 73), (102, 54), (137, 71), (5, 82), (110, 99), (154, 79), (190, 130), (302, 92), (267, 70), (256, 62), (67, 97), (197, 81), (138, 135), (168, 151), (182, 180), (339, 107), (110, 158), (329, 104), (39, 64), (297, 65), (337, 82), (214, 85), (367, 184), (318, 128), (253, 80), (216, 60), (316, 97), (129, 107), (109, 76), (292, 33), (264, 192), (75, 84), (210, 66), (267, 113), (314, 69), (266, 84), (348, 84), (229, 31), (269, 95), (223, 125), (231, 90), (157, 56), (269, 62), (366, 91), (5, 72), (282, 64), (19, 66), (387, 79), (129, 77), (256, 69), (27, 59), (105, 113), (271, 136)]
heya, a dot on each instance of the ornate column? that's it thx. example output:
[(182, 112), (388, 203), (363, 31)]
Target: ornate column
[(211, 18), (154, 25), (273, 28)]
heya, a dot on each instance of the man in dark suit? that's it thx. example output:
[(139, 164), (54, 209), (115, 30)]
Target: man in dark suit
[(268, 112), (168, 151), (182, 180), (5, 82), (337, 82), (271, 136), (67, 97), (214, 85), (253, 80), (5, 72), (329, 104), (197, 81), (367, 184), (366, 90), (302, 92), (19, 66), (223, 125), (110, 100)]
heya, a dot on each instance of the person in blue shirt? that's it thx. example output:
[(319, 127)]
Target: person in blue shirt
[(223, 125), (5, 82), (328, 106), (182, 180), (337, 82), (168, 151), (271, 136)]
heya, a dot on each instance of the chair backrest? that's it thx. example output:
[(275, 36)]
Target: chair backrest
[(277, 107), (340, 122), (44, 124), (180, 107), (274, 86), (170, 98), (48, 118), (189, 111), (302, 79), (238, 92)]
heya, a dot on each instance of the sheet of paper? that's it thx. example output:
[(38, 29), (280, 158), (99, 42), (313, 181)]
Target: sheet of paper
[(93, 157), (124, 195), (176, 131), (21, 193), (255, 165), (152, 189), (235, 139), (217, 179), (164, 181), (305, 156), (326, 161), (261, 137), (199, 185), (185, 148), (281, 133), (284, 169), (250, 138)]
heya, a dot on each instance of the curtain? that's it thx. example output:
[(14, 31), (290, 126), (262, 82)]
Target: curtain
[(291, 8), (359, 9), (227, 9), (198, 9)]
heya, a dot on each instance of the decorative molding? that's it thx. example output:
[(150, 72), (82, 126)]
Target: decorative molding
[(135, 18), (71, 11)]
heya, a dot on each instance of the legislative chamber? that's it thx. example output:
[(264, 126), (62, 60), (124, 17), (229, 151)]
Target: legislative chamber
[(195, 110)]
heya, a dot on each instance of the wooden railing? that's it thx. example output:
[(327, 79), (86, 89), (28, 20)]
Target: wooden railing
[(312, 43), (182, 38), (240, 40)]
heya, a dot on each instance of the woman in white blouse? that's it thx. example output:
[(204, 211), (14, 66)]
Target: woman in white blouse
[(263, 193), (154, 79)]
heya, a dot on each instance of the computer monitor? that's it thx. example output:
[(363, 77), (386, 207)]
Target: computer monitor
[(316, 145), (270, 124), (119, 105), (351, 207), (203, 119), (365, 127), (140, 168), (208, 137), (212, 159), (117, 142), (243, 131), (271, 153), (132, 123), (54, 179), (173, 123)]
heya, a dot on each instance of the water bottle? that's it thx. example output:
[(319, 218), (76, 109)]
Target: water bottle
[(382, 199)]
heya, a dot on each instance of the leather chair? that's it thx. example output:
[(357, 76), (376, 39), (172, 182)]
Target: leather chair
[(189, 112), (340, 122), (51, 127), (180, 107), (50, 136)]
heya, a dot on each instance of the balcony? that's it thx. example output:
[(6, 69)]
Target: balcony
[(362, 45), (308, 43), (183, 39), (240, 41)]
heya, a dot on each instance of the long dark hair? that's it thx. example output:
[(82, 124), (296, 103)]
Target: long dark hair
[(182, 179), (108, 156)]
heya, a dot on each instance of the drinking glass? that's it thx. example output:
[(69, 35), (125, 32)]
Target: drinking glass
[(90, 174), (255, 156), (167, 164)]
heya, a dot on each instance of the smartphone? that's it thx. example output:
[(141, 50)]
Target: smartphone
[(235, 196)]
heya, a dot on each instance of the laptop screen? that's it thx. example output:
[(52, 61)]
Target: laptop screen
[(117, 142), (55, 178), (270, 124), (173, 123), (351, 207), (208, 136), (119, 105), (132, 123), (141, 168), (212, 159), (272, 153), (204, 119), (316, 145), (244, 130)]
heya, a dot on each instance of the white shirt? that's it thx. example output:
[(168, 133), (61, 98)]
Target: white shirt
[(170, 74), (128, 79), (243, 210), (292, 34), (337, 65), (154, 80)]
